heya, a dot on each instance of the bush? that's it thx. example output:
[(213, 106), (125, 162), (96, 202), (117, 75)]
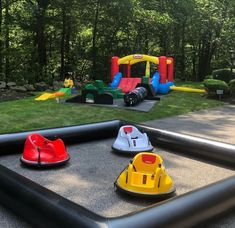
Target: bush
[(223, 74), (213, 84), (232, 87), (210, 76)]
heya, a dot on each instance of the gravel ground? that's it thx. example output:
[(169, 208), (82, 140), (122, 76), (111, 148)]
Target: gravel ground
[(92, 186)]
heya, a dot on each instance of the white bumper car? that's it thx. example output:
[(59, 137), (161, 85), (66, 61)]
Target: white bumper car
[(131, 140)]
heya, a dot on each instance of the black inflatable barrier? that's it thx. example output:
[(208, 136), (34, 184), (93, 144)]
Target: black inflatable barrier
[(13, 143), (186, 210), (105, 98), (40, 206), (208, 150)]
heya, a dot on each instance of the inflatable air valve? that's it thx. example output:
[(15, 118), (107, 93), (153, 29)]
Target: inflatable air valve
[(135, 96)]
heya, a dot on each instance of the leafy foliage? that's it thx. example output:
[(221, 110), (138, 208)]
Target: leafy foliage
[(213, 84), (232, 87), (39, 39), (223, 74)]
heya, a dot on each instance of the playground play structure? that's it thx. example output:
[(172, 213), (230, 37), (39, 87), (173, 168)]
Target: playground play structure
[(133, 89), (120, 86), (96, 93), (123, 85), (67, 90), (161, 81)]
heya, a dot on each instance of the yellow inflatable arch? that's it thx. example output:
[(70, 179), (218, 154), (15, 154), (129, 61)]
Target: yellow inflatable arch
[(133, 59)]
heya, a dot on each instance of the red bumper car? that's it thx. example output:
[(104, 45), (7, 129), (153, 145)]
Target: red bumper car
[(39, 151)]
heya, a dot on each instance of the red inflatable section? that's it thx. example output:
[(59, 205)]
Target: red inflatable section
[(40, 151), (128, 84)]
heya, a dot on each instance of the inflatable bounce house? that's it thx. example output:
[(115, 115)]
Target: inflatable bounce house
[(161, 81)]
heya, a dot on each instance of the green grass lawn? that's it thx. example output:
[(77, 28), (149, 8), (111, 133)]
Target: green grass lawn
[(28, 114)]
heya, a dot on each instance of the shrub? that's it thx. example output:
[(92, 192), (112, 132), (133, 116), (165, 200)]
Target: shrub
[(213, 84), (223, 74), (232, 87), (210, 76)]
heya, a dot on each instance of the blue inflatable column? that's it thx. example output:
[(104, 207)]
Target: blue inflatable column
[(116, 80), (155, 82)]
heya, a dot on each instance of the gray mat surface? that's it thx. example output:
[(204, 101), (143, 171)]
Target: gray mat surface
[(144, 106), (88, 179)]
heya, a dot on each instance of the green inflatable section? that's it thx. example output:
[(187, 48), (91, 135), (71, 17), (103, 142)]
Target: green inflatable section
[(145, 80), (67, 91), (114, 92), (101, 88)]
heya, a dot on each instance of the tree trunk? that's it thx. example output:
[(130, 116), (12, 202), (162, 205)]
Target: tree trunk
[(65, 41), (1, 42), (182, 56), (62, 46), (201, 61), (94, 48), (40, 36), (163, 42), (205, 56), (146, 42), (194, 61), (176, 47), (7, 42), (67, 38)]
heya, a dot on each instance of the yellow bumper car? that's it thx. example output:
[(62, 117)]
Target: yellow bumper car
[(145, 175)]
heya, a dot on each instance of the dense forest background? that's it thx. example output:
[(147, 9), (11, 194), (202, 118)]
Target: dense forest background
[(41, 39)]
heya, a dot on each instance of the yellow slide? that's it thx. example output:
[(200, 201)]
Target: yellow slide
[(187, 89), (45, 96)]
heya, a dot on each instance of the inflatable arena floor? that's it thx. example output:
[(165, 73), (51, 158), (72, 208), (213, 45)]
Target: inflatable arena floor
[(82, 192)]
